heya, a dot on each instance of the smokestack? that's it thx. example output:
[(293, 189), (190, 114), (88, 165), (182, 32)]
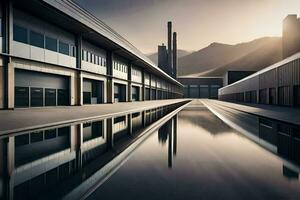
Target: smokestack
[(175, 55), (170, 48)]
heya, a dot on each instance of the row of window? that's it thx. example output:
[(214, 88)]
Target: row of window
[(135, 72), (120, 66), (21, 34), (93, 58)]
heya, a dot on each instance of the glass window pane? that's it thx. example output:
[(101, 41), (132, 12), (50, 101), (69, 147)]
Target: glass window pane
[(36, 39), (51, 44), (63, 48), (20, 34)]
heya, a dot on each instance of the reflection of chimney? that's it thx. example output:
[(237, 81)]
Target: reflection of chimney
[(175, 55), (175, 136), (170, 148), (170, 48)]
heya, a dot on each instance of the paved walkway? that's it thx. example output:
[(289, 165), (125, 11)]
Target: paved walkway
[(285, 114), (20, 120)]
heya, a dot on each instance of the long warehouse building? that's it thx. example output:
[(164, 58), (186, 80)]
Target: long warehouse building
[(278, 84), (55, 53)]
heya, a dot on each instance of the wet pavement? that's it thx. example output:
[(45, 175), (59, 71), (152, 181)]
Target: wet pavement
[(203, 159), (167, 152)]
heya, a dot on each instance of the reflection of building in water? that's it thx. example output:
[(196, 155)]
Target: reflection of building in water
[(289, 173), (39, 160), (49, 163), (169, 132)]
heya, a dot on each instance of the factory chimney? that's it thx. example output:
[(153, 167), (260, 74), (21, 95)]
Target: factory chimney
[(175, 55), (170, 49)]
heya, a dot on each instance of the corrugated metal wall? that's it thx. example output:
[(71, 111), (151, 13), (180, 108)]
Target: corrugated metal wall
[(279, 86)]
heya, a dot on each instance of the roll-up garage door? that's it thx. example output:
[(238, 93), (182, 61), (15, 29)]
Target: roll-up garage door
[(50, 97), (36, 97), (22, 96), (38, 89)]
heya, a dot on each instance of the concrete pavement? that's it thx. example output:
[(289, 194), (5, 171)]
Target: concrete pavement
[(20, 120), (284, 114)]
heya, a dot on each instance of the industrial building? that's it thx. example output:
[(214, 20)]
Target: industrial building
[(278, 84), (54, 53), (290, 36), (167, 58), (201, 87)]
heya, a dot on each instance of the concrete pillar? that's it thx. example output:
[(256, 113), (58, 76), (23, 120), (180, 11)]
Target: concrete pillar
[(110, 136), (79, 79), (109, 85), (73, 89), (129, 78), (10, 86), (143, 85)]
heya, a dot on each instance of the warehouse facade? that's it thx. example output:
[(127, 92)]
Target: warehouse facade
[(50, 56), (278, 84)]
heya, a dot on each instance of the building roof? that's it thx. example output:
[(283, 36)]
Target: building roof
[(271, 67), (82, 16)]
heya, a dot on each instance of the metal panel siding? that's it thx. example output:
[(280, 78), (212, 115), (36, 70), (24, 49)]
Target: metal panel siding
[(268, 79), (25, 78)]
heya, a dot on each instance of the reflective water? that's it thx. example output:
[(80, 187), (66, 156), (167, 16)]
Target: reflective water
[(153, 154), (203, 159)]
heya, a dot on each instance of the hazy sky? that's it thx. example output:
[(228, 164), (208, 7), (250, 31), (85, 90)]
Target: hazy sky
[(198, 22)]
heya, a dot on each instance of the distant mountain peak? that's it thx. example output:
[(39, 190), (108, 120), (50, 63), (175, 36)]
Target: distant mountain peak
[(216, 58)]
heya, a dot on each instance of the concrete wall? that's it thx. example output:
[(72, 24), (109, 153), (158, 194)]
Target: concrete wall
[(41, 54)]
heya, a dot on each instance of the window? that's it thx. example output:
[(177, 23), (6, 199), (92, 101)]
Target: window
[(100, 60), (72, 51), (51, 44), (36, 39), (91, 57), (96, 60), (82, 54), (104, 62), (63, 48), (20, 34)]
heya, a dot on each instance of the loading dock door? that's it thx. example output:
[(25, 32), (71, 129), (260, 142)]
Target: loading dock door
[(62, 97), (21, 96), (50, 97), (44, 89), (36, 97)]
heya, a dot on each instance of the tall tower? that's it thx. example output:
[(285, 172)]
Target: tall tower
[(163, 58), (175, 55), (170, 66), (290, 36)]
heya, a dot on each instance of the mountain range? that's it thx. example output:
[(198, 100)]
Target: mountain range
[(217, 58)]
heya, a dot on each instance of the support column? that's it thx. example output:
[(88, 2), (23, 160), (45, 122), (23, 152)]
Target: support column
[(9, 82), (78, 76), (109, 85), (143, 85), (129, 78)]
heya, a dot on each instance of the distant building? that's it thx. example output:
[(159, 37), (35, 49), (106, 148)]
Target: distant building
[(278, 84), (162, 57), (201, 87), (167, 57), (234, 76), (291, 35)]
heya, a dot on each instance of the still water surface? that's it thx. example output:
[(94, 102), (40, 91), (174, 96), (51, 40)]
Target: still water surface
[(197, 156)]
